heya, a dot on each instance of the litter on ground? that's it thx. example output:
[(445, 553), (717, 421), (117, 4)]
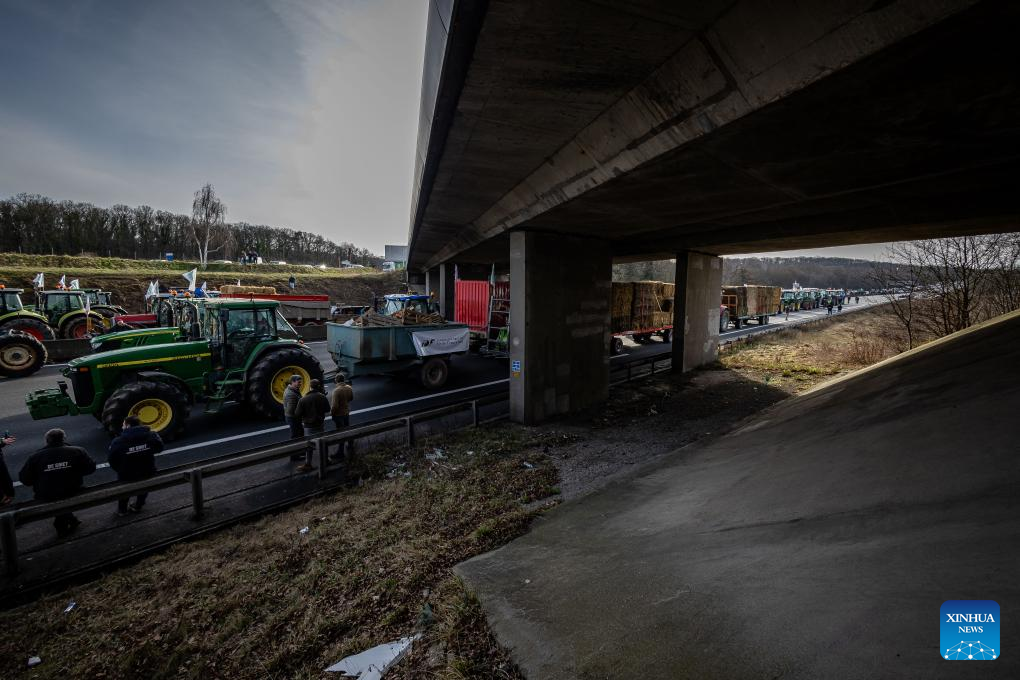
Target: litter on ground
[(372, 663)]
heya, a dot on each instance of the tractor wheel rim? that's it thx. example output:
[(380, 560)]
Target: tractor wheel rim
[(16, 356), (79, 332), (434, 373), (34, 332), (154, 413), (278, 384)]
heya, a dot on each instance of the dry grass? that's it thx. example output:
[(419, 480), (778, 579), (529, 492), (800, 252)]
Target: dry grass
[(801, 357), (265, 601)]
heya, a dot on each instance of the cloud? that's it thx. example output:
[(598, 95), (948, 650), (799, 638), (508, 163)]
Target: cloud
[(301, 113)]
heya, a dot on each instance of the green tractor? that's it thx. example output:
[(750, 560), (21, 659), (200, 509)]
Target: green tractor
[(233, 354), (64, 311), (102, 301), (178, 316), (15, 317)]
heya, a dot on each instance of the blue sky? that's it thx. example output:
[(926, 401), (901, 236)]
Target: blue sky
[(302, 113)]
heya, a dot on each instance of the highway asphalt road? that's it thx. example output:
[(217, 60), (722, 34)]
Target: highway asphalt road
[(234, 429)]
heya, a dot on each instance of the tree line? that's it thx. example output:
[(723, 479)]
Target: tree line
[(36, 224)]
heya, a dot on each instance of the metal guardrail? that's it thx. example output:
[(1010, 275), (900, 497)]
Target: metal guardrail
[(194, 475)]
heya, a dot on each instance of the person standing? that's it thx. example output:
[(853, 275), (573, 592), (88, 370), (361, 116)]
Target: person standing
[(6, 483), (133, 457), (291, 397), (829, 307), (340, 403), (311, 411), (292, 282), (55, 472)]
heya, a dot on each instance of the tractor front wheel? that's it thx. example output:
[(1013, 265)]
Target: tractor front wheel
[(270, 375), (34, 327), (21, 355), (160, 406)]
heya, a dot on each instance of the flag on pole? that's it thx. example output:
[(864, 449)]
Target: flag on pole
[(152, 289), (492, 276), (88, 315), (190, 277), (74, 284), (63, 282), (239, 282), (38, 280)]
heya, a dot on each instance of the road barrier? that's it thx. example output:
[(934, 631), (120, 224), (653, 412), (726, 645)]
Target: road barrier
[(195, 475)]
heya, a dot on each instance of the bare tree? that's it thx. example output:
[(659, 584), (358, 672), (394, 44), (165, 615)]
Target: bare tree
[(900, 278), (1004, 278), (208, 222)]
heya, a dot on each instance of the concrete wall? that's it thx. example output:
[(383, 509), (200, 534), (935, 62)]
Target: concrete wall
[(696, 310), (559, 324)]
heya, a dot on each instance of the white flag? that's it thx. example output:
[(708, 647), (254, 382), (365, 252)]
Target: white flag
[(74, 284), (238, 281), (152, 289), (191, 276), (88, 305), (63, 281), (38, 280), (203, 285)]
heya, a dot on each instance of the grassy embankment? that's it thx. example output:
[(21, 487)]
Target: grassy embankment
[(262, 600), (128, 279), (801, 357)]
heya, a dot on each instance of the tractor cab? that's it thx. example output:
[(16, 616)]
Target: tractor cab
[(14, 316), (102, 301), (64, 310), (389, 305), (10, 300), (53, 304)]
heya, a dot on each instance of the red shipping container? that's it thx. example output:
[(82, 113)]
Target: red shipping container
[(471, 304)]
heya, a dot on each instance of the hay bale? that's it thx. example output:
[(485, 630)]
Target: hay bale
[(623, 299), (231, 289)]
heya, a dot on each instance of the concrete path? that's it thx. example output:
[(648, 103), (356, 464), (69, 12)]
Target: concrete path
[(818, 541)]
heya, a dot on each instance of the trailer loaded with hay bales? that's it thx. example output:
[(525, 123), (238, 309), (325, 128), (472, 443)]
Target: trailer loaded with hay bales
[(641, 310), (741, 304)]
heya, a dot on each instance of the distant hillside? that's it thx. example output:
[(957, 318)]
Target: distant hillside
[(810, 272)]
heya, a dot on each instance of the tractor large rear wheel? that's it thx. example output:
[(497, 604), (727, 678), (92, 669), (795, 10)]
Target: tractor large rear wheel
[(160, 406), (270, 375), (78, 327), (34, 327), (21, 355)]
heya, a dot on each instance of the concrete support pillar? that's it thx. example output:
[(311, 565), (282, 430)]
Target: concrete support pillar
[(445, 293), (560, 289), (696, 310), (432, 282)]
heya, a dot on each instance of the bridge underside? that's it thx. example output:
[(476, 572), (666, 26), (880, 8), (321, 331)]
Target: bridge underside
[(640, 130)]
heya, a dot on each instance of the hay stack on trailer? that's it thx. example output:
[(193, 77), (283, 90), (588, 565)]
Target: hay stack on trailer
[(750, 302), (622, 308), (231, 289)]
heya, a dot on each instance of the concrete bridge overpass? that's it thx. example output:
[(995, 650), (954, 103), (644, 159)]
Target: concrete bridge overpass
[(558, 136)]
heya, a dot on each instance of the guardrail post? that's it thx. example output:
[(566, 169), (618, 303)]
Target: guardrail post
[(197, 499), (474, 413), (9, 543), (410, 431), (322, 453)]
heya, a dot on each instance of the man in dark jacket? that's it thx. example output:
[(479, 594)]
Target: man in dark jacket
[(133, 458), (291, 397), (55, 472), (312, 410)]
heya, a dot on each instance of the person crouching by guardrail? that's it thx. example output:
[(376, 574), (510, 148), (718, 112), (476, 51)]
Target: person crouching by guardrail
[(312, 410), (6, 484), (133, 457), (56, 472)]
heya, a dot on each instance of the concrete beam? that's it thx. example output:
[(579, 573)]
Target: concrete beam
[(696, 310), (560, 289)]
